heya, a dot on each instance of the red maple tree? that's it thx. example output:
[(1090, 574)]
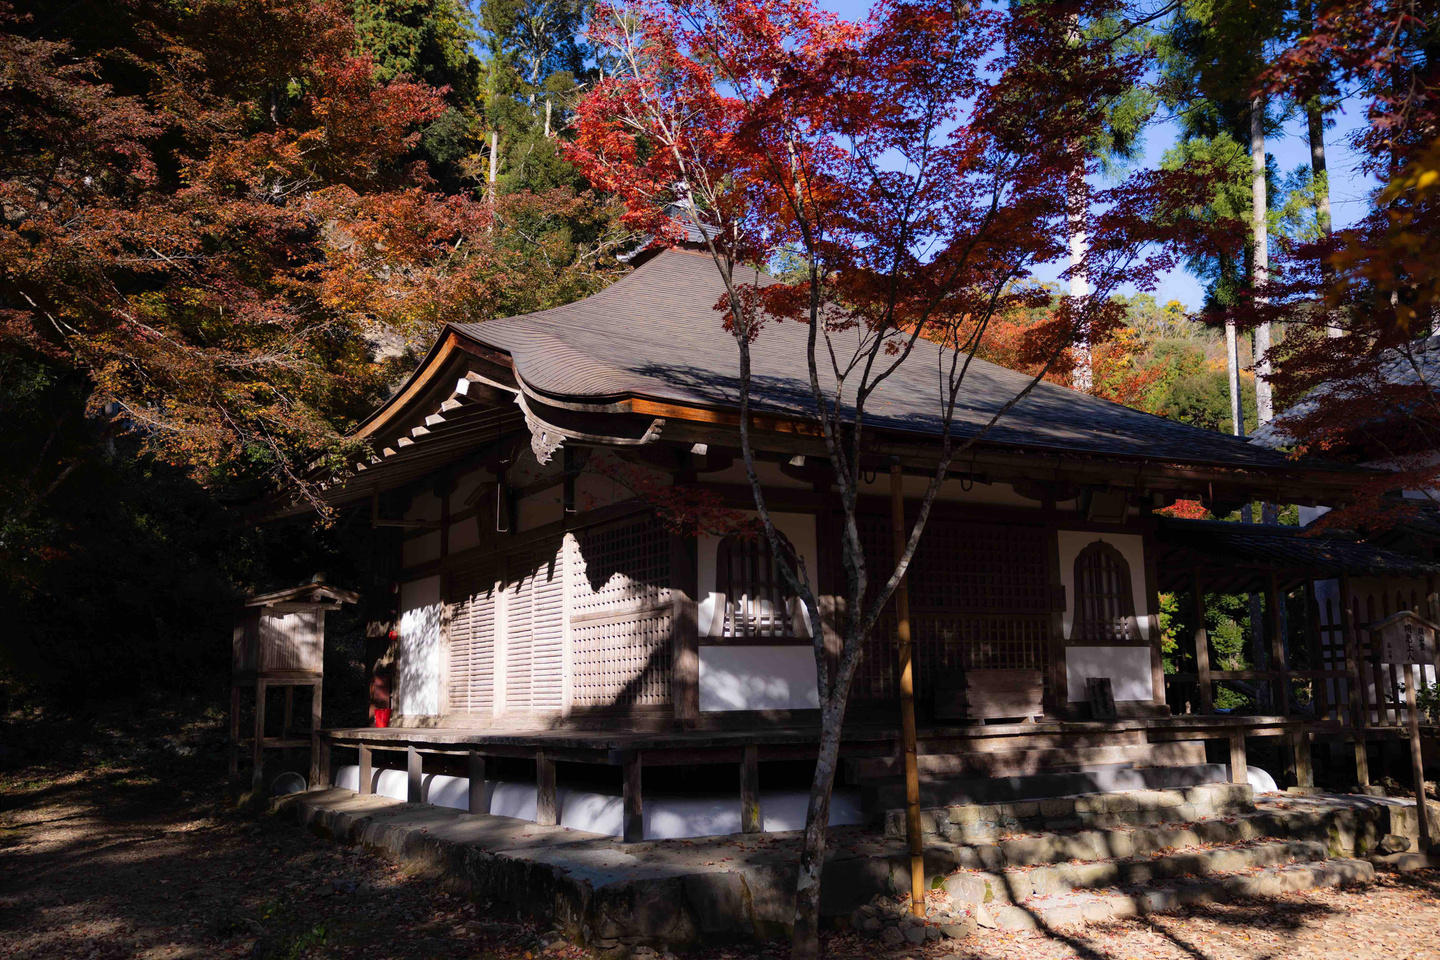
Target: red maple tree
[(915, 166)]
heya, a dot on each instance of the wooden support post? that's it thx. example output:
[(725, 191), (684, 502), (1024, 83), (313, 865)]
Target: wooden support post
[(234, 730), (1417, 767), (1202, 645), (478, 803), (1239, 770), (633, 826), (685, 679), (1300, 746), (320, 764), (1276, 622), (750, 816), (1355, 679), (367, 771), (414, 777), (257, 749), (319, 750), (546, 814), (907, 699)]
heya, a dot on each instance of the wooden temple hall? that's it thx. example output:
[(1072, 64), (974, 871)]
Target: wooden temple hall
[(549, 634)]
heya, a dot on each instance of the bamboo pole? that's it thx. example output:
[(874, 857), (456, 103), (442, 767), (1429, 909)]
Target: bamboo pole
[(907, 701)]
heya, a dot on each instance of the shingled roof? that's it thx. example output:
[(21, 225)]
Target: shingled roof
[(656, 334), (1240, 552)]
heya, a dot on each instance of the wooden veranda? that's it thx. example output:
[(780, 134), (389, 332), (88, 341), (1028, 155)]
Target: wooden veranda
[(1323, 675)]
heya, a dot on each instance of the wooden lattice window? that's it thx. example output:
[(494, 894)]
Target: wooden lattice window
[(758, 603), (1104, 601)]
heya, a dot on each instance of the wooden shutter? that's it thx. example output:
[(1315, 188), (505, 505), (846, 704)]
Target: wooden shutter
[(547, 620), (1104, 600), (472, 642), (519, 640)]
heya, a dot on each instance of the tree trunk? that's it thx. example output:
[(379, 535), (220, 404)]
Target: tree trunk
[(1260, 264), (1232, 362), (1315, 129), (1084, 377), (805, 939)]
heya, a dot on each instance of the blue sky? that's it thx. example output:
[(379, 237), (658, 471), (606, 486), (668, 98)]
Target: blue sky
[(1349, 190)]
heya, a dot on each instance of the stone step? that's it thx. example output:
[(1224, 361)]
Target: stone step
[(1107, 778), (1014, 885), (969, 822), (1066, 909), (935, 766)]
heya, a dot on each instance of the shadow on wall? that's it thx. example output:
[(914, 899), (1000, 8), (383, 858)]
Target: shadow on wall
[(417, 668)]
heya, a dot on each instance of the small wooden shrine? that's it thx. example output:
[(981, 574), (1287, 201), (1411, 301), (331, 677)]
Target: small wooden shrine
[(279, 641)]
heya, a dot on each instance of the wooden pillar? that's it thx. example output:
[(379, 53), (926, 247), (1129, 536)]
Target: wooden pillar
[(1432, 602), (367, 771), (907, 700), (1355, 679), (1417, 767), (257, 748), (546, 814), (633, 826), (319, 749), (476, 773), (685, 631), (234, 730), (1275, 618), (750, 814), (414, 776), (1300, 747), (1239, 769), (1202, 645)]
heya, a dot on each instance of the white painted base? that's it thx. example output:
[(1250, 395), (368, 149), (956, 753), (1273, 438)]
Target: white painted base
[(1127, 667), (665, 818)]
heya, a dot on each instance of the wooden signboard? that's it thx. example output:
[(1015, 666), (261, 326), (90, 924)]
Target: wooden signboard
[(1408, 640)]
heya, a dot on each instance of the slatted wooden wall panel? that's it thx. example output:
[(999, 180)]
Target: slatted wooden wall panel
[(472, 642), (519, 639), (621, 616), (547, 631)]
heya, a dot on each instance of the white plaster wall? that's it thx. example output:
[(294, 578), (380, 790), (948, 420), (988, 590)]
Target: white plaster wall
[(421, 549), (758, 678), (798, 527), (417, 672), (1132, 548), (1127, 667), (664, 818)]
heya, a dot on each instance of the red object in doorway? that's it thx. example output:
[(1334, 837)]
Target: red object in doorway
[(382, 716)]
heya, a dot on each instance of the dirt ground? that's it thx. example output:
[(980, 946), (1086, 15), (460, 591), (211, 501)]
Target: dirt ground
[(147, 859)]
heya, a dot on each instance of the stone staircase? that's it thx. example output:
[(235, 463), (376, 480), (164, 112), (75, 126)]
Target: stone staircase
[(1064, 860)]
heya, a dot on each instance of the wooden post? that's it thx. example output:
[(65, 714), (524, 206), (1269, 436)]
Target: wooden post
[(907, 701), (685, 678), (1417, 767), (1278, 664), (545, 806), (257, 749), (1202, 645), (319, 751), (750, 814), (1300, 745), (320, 765), (367, 772), (234, 730), (1355, 678), (414, 776), (633, 826), (1239, 769), (477, 783)]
